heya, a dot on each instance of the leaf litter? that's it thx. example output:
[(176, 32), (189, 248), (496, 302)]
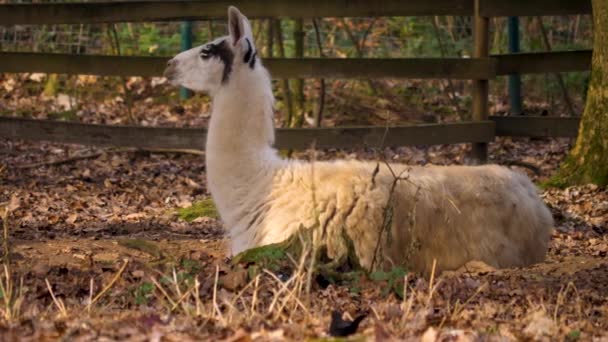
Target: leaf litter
[(73, 224)]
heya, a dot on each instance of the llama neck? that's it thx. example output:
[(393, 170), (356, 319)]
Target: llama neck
[(239, 149)]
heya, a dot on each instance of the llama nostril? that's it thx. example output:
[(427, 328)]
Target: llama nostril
[(170, 70)]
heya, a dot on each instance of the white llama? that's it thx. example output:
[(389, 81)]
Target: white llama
[(453, 214)]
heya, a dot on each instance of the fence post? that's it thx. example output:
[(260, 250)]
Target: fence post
[(186, 44), (515, 103), (480, 87)]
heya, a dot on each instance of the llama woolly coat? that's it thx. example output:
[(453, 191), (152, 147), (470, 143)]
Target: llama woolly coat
[(453, 214)]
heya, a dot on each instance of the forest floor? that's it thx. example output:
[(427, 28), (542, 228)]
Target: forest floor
[(103, 254)]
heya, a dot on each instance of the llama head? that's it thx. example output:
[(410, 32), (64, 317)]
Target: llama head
[(208, 67)]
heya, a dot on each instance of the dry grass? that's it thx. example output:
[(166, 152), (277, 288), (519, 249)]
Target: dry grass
[(12, 293), (282, 298), (59, 304), (12, 296), (93, 300)]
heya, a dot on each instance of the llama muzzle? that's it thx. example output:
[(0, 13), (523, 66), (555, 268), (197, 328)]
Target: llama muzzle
[(171, 71)]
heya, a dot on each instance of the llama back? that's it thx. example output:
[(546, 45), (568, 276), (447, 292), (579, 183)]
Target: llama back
[(458, 214)]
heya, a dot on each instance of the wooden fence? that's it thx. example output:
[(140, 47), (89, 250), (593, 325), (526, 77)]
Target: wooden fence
[(480, 69)]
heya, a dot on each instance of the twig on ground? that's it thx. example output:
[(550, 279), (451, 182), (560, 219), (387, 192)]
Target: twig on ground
[(254, 299), (458, 308), (432, 286), (60, 161), (216, 307), (174, 150), (162, 290), (181, 299), (114, 150), (197, 297), (58, 302), (109, 286), (528, 166), (5, 245), (284, 287)]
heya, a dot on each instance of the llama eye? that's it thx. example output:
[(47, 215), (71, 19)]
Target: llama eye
[(206, 52)]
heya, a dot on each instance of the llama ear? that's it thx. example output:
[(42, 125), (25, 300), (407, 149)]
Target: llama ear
[(238, 26)]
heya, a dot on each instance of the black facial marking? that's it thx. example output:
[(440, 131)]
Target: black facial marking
[(249, 51), (250, 54), (225, 54), (252, 61)]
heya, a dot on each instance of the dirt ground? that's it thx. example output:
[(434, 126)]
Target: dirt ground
[(103, 255)]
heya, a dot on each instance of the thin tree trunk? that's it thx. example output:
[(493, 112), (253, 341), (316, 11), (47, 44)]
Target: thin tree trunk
[(115, 44), (298, 36), (257, 30), (269, 39), (278, 31), (577, 24), (558, 76), (321, 101), (450, 85), (588, 160), (359, 46), (211, 30)]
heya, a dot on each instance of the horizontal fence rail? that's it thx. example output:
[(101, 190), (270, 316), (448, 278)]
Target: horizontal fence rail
[(543, 62), (140, 11), (536, 126), (301, 138), (194, 138), (502, 8), (455, 68)]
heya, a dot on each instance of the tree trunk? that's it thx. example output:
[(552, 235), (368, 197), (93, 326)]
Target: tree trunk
[(588, 160), (278, 32), (298, 36)]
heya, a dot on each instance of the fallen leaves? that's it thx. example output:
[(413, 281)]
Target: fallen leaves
[(539, 326), (75, 222)]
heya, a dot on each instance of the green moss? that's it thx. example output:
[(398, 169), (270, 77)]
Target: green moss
[(142, 246), (393, 279), (344, 270), (20, 113), (556, 181), (270, 257), (143, 293), (51, 86), (67, 115), (573, 335), (285, 153), (573, 172), (204, 208)]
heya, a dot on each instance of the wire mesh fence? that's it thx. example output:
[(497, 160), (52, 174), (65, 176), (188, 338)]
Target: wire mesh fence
[(394, 37), (370, 37)]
